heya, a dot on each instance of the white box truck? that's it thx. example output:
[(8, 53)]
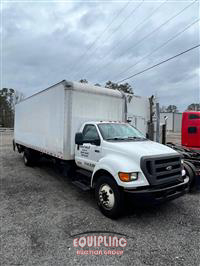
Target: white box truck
[(85, 126)]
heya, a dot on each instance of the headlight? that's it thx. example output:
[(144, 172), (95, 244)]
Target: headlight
[(134, 176), (127, 177)]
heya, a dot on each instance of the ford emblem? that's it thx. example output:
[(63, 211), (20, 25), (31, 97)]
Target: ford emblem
[(168, 168)]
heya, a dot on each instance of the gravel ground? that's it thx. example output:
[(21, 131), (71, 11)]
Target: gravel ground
[(41, 212)]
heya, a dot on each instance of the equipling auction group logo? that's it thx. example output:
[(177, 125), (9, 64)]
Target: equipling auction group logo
[(100, 244)]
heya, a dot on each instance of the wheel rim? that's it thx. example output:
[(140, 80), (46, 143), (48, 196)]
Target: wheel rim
[(106, 196)]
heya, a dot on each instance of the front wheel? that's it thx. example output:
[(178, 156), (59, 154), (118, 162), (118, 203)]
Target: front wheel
[(109, 197)]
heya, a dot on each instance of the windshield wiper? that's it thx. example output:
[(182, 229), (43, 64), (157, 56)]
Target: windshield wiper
[(126, 138), (116, 138), (137, 138)]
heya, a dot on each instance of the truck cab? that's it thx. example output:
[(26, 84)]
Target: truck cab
[(191, 130), (121, 160)]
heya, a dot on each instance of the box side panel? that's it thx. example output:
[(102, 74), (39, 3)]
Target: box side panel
[(39, 121), (93, 107)]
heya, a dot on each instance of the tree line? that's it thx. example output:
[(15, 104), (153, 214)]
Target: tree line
[(8, 99), (173, 108)]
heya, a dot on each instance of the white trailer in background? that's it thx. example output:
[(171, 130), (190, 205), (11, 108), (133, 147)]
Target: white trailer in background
[(84, 126), (174, 121), (138, 112)]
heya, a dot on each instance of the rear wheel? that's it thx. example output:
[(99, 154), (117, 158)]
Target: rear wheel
[(30, 158), (109, 197)]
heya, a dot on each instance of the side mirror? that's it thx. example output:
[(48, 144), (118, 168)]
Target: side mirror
[(79, 138)]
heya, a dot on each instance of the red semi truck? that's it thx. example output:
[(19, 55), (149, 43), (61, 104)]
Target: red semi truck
[(191, 130), (190, 149)]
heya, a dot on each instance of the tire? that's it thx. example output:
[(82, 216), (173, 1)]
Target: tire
[(29, 158), (190, 172), (108, 196)]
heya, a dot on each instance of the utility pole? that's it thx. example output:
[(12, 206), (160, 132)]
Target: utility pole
[(151, 124), (157, 122)]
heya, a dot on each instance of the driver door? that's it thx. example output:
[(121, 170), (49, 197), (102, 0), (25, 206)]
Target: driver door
[(88, 154)]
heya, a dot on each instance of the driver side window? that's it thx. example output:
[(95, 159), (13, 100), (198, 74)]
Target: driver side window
[(90, 133)]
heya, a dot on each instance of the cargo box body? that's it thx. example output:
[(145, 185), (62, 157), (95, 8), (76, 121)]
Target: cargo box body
[(48, 120)]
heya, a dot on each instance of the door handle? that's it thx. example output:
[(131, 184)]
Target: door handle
[(97, 150)]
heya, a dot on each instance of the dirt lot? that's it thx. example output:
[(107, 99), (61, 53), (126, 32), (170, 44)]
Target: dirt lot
[(41, 211)]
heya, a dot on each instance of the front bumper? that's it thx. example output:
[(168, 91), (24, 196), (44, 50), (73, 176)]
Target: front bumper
[(159, 195)]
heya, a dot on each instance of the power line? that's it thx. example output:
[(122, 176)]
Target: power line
[(162, 62), (126, 18), (132, 32), (158, 28), (118, 27), (159, 47), (101, 34)]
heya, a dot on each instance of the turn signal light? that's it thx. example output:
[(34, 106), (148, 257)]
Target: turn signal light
[(127, 177)]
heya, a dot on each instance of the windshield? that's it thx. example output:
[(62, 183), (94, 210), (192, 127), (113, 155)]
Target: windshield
[(114, 131)]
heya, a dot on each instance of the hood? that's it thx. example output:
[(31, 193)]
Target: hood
[(141, 148)]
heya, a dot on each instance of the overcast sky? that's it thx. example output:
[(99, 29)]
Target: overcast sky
[(46, 42)]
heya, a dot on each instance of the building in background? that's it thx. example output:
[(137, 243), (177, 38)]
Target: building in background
[(173, 121)]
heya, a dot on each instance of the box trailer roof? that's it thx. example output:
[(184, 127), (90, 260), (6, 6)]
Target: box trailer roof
[(87, 87), (84, 87)]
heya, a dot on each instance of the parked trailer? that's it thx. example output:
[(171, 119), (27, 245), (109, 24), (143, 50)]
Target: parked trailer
[(84, 128)]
